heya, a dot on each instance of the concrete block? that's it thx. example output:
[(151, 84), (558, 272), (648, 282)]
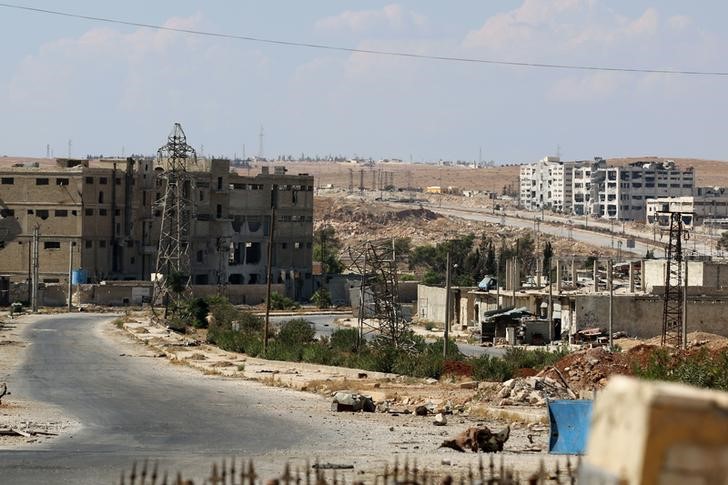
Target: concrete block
[(645, 432)]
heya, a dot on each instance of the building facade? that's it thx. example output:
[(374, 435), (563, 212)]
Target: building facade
[(708, 206), (588, 187), (104, 215), (622, 192)]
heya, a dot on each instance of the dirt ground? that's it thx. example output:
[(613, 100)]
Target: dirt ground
[(43, 421), (356, 220)]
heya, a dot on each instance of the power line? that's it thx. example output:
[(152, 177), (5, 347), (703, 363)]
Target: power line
[(412, 55)]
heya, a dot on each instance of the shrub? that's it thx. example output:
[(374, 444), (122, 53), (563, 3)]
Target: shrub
[(281, 302), (345, 339), (702, 369), (319, 353), (518, 358), (322, 298), (197, 310), (487, 368), (287, 351), (296, 332)]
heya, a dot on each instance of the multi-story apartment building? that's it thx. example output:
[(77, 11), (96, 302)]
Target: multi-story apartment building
[(622, 192), (546, 184), (552, 184), (103, 214), (708, 206), (581, 201)]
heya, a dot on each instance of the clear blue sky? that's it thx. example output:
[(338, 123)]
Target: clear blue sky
[(107, 86)]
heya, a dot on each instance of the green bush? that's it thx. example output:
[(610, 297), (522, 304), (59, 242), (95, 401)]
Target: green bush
[(281, 302), (319, 353), (487, 368), (345, 339), (518, 358), (296, 332), (702, 369), (287, 351), (197, 310), (322, 298)]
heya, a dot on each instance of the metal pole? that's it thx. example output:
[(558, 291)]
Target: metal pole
[(447, 305), (498, 283), (516, 278), (70, 275), (274, 195), (551, 305), (611, 304), (362, 289), (36, 242), (684, 342)]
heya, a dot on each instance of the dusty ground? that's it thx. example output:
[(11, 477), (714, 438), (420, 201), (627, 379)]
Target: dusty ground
[(356, 220), (24, 414), (381, 436)]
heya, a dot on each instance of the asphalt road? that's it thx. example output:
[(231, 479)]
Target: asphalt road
[(131, 410)]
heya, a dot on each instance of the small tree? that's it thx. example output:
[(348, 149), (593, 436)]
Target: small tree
[(321, 298)]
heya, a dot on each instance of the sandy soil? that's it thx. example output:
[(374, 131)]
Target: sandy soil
[(20, 412)]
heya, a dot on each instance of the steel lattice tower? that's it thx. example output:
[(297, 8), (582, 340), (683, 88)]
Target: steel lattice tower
[(177, 214), (672, 314), (376, 262)]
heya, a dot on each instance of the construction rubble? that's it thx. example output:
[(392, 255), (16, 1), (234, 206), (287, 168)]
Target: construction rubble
[(531, 391)]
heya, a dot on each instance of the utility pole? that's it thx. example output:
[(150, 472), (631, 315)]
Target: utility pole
[(551, 305), (273, 204), (685, 310), (497, 282), (70, 275), (447, 305), (362, 301), (610, 281), (34, 290)]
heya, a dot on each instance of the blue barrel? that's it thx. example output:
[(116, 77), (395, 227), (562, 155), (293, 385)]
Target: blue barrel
[(79, 276), (569, 421)]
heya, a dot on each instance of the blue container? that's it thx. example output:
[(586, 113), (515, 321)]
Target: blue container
[(569, 421), (79, 276)]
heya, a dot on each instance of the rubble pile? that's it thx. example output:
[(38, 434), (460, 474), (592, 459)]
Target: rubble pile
[(533, 391), (588, 370)]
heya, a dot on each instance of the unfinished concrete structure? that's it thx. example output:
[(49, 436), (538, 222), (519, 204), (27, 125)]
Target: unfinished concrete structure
[(103, 212)]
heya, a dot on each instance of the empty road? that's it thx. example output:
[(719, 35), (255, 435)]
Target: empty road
[(134, 407)]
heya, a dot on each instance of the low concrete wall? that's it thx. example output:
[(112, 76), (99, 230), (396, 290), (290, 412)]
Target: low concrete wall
[(240, 294), (641, 316)]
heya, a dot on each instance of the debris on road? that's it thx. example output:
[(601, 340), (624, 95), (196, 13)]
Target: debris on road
[(478, 439), (440, 420), (421, 411), (350, 401), (3, 392), (331, 466)]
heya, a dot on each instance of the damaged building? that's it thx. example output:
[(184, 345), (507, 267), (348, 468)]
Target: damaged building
[(103, 213)]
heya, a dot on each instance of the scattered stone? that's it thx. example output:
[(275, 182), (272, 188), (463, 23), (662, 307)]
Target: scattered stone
[(431, 381), (469, 385), (421, 411), (362, 375), (440, 420), (533, 391)]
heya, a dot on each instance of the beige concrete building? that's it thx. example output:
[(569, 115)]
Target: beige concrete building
[(103, 213)]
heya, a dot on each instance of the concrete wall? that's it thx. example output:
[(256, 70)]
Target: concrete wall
[(641, 316), (707, 274)]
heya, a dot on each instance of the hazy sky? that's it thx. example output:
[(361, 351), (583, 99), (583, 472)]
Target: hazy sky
[(107, 86)]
